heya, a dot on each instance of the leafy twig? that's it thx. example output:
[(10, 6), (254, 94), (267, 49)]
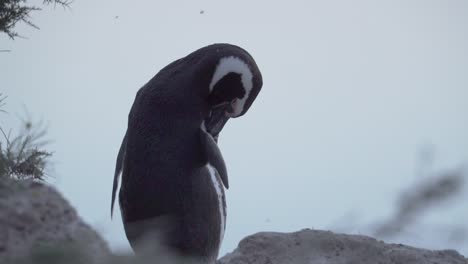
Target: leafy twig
[(422, 197), (14, 11), (21, 157), (2, 102)]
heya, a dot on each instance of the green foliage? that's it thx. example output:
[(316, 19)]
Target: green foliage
[(14, 11), (20, 156)]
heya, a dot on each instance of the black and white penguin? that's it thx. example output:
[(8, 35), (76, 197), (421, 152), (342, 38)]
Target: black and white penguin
[(173, 174)]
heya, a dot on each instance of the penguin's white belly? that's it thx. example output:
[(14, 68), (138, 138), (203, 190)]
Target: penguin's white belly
[(218, 187), (150, 235)]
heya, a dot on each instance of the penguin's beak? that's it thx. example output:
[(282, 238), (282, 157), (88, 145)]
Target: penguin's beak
[(217, 119)]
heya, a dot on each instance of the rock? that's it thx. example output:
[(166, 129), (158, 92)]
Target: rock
[(320, 247), (37, 225)]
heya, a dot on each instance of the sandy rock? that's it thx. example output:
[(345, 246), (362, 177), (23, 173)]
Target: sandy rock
[(38, 224), (320, 247)]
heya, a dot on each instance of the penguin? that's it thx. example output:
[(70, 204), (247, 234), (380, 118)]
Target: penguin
[(171, 169)]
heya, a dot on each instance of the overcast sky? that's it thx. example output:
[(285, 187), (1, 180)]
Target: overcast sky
[(353, 90)]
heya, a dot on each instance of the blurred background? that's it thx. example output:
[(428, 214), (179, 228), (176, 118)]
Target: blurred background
[(361, 126)]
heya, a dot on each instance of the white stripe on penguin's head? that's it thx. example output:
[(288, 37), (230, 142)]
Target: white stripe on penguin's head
[(234, 64)]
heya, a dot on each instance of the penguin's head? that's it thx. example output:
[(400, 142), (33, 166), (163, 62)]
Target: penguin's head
[(234, 84)]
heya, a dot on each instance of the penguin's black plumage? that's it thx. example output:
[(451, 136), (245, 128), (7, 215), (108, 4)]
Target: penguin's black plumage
[(172, 171)]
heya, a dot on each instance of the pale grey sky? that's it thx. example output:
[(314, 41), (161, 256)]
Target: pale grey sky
[(352, 91)]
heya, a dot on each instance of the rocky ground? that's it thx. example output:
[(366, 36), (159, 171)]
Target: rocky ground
[(37, 225), (320, 247)]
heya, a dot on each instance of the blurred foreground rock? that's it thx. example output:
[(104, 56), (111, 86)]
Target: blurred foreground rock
[(37, 225), (322, 247)]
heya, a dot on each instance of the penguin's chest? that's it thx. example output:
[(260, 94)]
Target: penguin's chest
[(194, 199), (204, 209)]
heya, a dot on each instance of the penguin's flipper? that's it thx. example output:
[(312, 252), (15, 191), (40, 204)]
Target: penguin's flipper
[(118, 170), (214, 156)]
